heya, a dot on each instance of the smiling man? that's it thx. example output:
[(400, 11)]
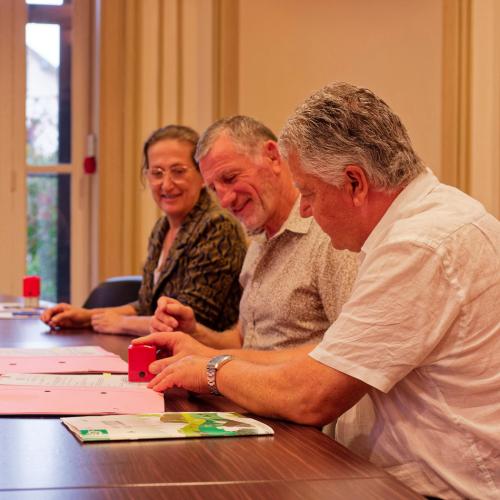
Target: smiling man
[(239, 160), (420, 333)]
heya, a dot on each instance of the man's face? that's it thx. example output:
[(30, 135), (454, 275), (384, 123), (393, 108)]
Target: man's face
[(243, 183), (330, 206)]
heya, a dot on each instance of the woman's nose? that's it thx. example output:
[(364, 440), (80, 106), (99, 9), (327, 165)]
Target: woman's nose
[(166, 181)]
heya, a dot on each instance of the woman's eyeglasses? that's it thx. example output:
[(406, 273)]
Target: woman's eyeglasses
[(175, 173)]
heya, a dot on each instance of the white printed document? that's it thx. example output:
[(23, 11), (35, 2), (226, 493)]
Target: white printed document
[(17, 310)]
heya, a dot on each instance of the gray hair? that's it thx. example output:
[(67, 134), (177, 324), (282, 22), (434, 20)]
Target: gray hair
[(245, 132), (174, 132), (341, 125)]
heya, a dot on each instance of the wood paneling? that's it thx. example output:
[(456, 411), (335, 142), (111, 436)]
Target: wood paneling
[(12, 145), (455, 152)]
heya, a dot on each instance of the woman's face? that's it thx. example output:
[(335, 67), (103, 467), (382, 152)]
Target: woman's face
[(173, 178)]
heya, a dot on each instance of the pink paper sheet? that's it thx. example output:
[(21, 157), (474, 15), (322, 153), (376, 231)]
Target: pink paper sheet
[(46, 400), (98, 362), (63, 364)]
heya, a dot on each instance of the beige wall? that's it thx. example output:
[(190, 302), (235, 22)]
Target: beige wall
[(192, 61), (485, 114), (156, 67), (288, 48)]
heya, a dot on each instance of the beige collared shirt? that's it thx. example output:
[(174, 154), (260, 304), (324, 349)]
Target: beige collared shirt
[(295, 284)]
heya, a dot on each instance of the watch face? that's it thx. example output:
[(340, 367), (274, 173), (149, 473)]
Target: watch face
[(217, 360)]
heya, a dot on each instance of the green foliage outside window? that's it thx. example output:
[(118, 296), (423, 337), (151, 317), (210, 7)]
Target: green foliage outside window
[(42, 232)]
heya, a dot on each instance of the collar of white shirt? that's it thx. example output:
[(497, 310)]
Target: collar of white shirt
[(411, 195)]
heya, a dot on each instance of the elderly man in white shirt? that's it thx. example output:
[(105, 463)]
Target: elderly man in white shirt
[(420, 333)]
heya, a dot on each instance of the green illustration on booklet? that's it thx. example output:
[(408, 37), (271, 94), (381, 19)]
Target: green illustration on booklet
[(164, 426)]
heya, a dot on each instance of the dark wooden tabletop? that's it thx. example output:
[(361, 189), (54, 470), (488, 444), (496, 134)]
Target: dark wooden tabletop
[(40, 458)]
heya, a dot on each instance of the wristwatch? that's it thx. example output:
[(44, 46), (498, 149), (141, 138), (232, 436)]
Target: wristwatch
[(212, 366)]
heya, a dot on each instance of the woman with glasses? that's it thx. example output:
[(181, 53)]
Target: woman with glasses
[(195, 251)]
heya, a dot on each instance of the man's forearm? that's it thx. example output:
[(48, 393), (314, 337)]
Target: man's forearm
[(268, 390), (228, 339), (269, 357), (301, 390)]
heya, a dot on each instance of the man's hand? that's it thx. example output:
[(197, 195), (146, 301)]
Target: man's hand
[(177, 344), (171, 315), (189, 373), (66, 316)]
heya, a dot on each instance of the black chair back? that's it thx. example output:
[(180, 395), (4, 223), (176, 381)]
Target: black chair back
[(114, 292)]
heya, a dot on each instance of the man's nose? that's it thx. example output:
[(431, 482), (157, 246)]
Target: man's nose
[(226, 196)]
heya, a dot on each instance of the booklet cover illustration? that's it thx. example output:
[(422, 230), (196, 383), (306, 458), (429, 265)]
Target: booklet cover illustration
[(164, 426)]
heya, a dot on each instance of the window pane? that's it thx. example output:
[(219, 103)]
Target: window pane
[(42, 93), (49, 233)]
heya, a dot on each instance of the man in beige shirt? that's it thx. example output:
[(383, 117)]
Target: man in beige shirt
[(294, 281)]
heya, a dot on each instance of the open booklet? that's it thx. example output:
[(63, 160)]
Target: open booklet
[(164, 426)]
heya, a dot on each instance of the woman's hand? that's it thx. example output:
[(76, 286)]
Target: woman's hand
[(66, 316), (108, 322)]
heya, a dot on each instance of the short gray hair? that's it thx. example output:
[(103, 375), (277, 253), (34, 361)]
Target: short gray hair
[(246, 133), (341, 125)]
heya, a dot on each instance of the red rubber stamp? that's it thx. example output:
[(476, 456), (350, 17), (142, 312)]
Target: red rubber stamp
[(139, 359)]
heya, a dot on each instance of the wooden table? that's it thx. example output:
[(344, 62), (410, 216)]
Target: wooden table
[(40, 458)]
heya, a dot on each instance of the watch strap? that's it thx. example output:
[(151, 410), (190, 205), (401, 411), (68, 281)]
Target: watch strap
[(212, 366)]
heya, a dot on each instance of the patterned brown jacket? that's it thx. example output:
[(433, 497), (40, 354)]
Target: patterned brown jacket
[(202, 267)]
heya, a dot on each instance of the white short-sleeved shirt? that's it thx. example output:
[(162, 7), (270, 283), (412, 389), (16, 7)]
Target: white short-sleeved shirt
[(422, 328)]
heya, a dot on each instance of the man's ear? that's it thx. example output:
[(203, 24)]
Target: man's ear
[(356, 184), (272, 154)]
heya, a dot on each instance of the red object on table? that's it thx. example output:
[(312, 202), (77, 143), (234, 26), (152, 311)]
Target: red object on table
[(139, 359), (31, 286)]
